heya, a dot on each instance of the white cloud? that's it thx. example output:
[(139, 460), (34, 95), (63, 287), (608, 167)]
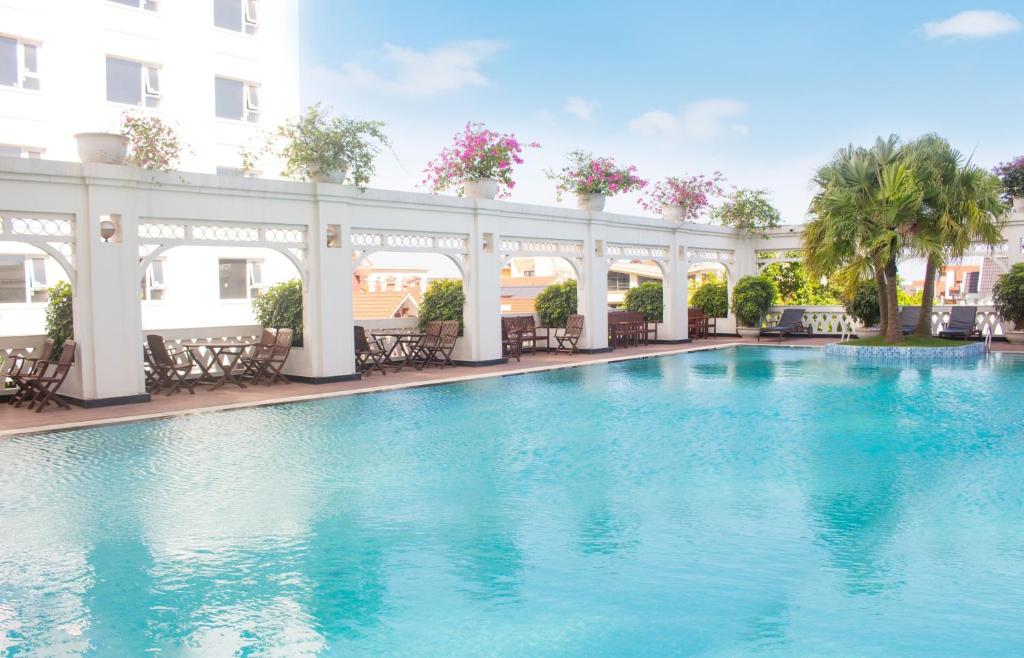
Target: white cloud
[(580, 107), (976, 24), (409, 72), (701, 120)]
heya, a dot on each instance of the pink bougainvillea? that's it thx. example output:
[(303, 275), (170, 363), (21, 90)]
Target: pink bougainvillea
[(692, 194), (477, 154), (586, 174)]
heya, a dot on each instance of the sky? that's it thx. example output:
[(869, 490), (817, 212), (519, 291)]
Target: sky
[(762, 91)]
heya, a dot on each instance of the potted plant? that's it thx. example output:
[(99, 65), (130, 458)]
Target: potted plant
[(1012, 175), (712, 298), (1008, 296), (752, 296), (102, 147), (479, 162), (682, 199), (323, 148), (750, 211), (862, 306), (152, 143), (592, 179)]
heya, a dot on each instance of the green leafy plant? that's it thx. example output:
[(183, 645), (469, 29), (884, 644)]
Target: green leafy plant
[(152, 143), (59, 315), (863, 305), (318, 144), (1008, 296), (748, 210), (280, 307), (712, 298), (752, 296), (796, 287), (1011, 175), (647, 298), (556, 303), (443, 300)]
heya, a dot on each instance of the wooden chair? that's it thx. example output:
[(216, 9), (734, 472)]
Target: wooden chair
[(512, 344), (568, 340), (274, 364), (42, 389), (23, 367), (420, 353), (255, 361), (370, 354), (170, 370), (441, 353)]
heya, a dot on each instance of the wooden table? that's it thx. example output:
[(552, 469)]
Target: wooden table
[(218, 368), (403, 340)]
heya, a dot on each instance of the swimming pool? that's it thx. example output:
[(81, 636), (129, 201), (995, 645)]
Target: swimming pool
[(750, 500)]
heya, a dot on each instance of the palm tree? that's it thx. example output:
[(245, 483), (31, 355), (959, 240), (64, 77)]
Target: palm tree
[(961, 206)]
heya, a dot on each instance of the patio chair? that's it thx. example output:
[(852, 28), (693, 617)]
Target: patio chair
[(909, 316), (22, 367), (962, 323), (274, 363), (440, 353), (255, 361), (42, 389), (790, 322), (170, 370), (569, 338), (370, 354), (420, 353)]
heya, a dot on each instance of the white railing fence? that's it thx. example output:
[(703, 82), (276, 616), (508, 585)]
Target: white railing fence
[(835, 321)]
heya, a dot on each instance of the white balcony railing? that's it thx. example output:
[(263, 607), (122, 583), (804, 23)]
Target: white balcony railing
[(835, 321)]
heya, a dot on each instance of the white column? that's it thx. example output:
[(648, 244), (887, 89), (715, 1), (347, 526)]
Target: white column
[(676, 291), (327, 293), (107, 309), (593, 292), (482, 286)]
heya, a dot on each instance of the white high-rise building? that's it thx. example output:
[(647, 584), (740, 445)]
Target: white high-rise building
[(216, 70)]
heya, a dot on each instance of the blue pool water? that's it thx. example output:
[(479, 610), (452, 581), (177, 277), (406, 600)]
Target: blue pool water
[(746, 501)]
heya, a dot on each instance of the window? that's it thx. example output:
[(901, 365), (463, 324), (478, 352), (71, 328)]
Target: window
[(12, 151), (132, 83), (236, 15), (971, 280), (237, 100), (19, 64), (240, 278), (618, 281), (22, 280), (153, 287), (151, 5)]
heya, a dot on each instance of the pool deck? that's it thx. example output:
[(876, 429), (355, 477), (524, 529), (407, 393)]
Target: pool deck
[(21, 421)]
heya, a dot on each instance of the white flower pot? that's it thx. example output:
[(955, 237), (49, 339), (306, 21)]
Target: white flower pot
[(594, 202), (1015, 337), (107, 148), (748, 332), (868, 332), (337, 176), (484, 188), (1018, 204), (672, 213)]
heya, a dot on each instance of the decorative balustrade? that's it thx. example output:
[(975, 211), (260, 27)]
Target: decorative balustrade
[(710, 255), (835, 321), (404, 241), (636, 251), (511, 246)]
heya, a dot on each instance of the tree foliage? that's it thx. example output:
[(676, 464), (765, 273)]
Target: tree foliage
[(796, 287), (752, 296), (647, 298), (712, 297), (443, 300), (280, 307), (1008, 296), (748, 210), (59, 314), (863, 305), (556, 303)]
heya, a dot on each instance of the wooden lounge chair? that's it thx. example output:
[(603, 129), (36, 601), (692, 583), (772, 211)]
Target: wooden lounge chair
[(274, 364), (790, 322), (370, 354), (909, 315), (570, 337), (42, 389), (440, 354), (170, 369), (962, 323), (23, 367), (255, 361)]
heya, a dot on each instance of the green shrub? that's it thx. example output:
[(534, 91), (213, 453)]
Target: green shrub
[(59, 323), (556, 303), (647, 298), (712, 298), (864, 304), (443, 300), (1008, 296), (280, 307), (751, 298)]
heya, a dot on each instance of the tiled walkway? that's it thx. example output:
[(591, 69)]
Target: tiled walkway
[(16, 421)]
